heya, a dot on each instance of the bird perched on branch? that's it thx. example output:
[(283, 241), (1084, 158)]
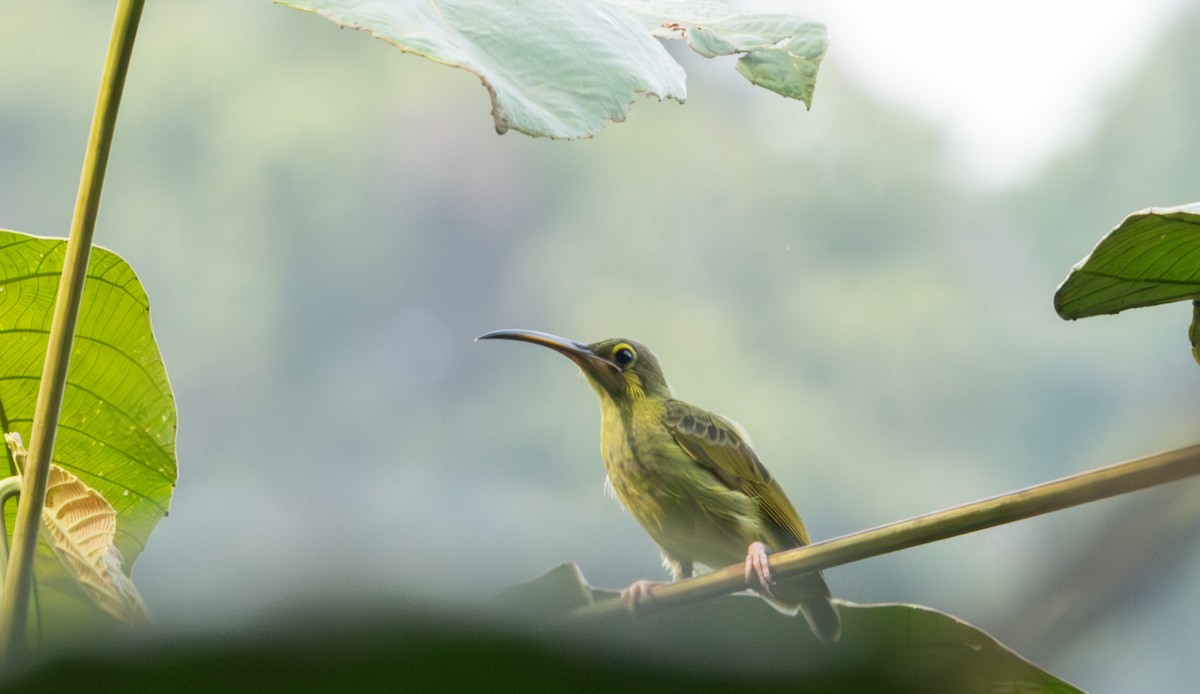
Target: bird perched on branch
[(690, 478)]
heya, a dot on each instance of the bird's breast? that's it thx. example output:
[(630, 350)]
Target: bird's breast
[(633, 451), (686, 510)]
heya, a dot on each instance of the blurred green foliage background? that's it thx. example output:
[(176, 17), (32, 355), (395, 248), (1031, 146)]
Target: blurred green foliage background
[(324, 224)]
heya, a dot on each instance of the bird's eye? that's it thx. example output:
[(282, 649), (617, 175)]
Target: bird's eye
[(623, 356)]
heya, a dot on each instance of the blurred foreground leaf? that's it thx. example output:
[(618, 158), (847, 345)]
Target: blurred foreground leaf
[(1152, 257), (737, 643), (888, 647), (117, 428), (565, 69)]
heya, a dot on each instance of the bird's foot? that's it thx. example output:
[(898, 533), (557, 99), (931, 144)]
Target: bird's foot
[(758, 569), (639, 596)]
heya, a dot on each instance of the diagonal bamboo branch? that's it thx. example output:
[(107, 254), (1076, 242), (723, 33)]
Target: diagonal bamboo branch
[(14, 603), (1025, 503)]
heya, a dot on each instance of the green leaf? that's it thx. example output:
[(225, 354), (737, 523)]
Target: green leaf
[(887, 647), (565, 69), (779, 52), (117, 428), (1152, 257), (556, 69)]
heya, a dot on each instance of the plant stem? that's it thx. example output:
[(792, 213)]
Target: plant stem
[(9, 488), (939, 525), (14, 603)]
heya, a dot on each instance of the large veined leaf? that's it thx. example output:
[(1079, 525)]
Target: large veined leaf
[(565, 68), (117, 427)]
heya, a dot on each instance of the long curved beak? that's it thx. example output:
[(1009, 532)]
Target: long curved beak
[(594, 366)]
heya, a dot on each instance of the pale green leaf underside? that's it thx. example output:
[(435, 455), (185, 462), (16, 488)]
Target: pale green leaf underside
[(778, 52), (1152, 257), (117, 427), (565, 69)]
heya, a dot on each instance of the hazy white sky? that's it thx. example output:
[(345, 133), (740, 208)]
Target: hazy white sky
[(1010, 81)]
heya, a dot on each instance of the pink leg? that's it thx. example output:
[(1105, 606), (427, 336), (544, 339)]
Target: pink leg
[(758, 570), (639, 595)]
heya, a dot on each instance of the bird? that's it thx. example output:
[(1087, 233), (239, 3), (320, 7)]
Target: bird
[(690, 478)]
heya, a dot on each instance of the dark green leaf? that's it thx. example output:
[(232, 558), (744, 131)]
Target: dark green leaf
[(887, 647), (1152, 257), (732, 644)]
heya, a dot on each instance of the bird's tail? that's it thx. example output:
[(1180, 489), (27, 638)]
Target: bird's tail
[(823, 618), (808, 595)]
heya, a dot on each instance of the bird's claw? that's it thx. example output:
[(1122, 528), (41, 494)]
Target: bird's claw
[(758, 569), (639, 595)]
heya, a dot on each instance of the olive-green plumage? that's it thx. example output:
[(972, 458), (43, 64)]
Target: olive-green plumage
[(688, 476)]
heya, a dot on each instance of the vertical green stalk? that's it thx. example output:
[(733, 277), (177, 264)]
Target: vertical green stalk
[(14, 602)]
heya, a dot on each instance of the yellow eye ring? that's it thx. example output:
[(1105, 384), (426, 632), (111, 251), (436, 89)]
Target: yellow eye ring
[(623, 355)]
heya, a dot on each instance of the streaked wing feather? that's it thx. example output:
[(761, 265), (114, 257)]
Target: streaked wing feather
[(714, 442)]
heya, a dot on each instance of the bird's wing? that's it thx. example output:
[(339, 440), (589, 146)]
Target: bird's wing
[(718, 445)]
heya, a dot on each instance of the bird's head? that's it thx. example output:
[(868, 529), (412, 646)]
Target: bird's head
[(619, 368)]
